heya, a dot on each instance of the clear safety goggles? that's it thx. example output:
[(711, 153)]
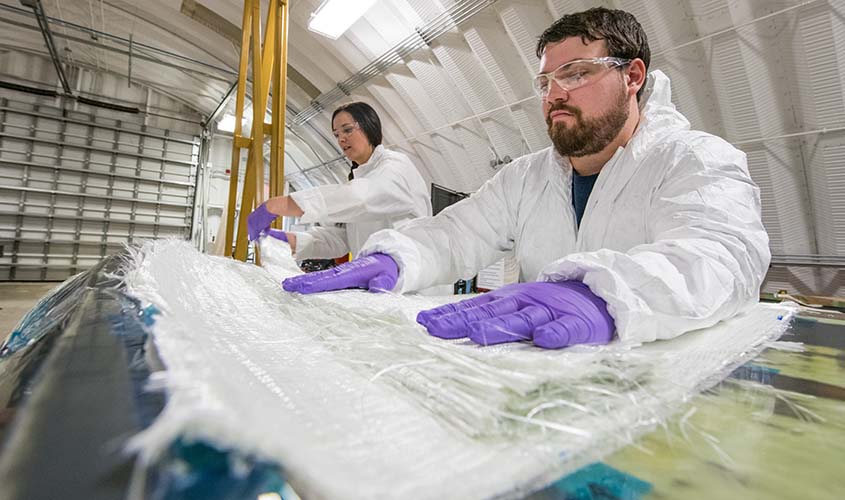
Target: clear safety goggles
[(346, 130), (576, 74)]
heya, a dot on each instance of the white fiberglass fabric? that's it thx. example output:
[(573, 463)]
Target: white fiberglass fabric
[(355, 400)]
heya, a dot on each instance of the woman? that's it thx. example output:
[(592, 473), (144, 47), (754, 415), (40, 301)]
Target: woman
[(384, 189)]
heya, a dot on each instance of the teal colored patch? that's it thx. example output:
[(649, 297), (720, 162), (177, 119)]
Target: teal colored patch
[(201, 471), (148, 315), (598, 481), (15, 342), (755, 373)]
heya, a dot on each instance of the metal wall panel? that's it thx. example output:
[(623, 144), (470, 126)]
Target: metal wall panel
[(75, 186)]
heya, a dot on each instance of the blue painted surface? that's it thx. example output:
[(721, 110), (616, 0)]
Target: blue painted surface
[(755, 373), (49, 314), (199, 471), (598, 481)]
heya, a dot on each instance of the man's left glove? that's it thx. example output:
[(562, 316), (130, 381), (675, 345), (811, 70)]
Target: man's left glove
[(552, 314), (377, 273)]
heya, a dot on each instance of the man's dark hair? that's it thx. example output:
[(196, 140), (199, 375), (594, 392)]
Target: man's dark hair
[(620, 31), (367, 119)]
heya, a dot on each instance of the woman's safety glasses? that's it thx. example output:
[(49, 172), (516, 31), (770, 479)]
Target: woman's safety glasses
[(576, 74), (346, 130)]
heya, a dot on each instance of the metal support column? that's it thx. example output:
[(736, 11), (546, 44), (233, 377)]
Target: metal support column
[(16, 245), (110, 195), (48, 234), (277, 137), (236, 137)]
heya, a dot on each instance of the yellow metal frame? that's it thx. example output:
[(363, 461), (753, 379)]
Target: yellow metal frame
[(267, 70)]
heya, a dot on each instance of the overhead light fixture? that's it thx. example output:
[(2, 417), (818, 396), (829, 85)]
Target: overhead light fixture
[(333, 17)]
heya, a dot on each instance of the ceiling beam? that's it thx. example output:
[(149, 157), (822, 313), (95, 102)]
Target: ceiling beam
[(41, 19)]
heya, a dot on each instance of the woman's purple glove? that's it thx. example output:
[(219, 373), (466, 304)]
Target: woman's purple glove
[(552, 314), (277, 233), (258, 221), (377, 273)]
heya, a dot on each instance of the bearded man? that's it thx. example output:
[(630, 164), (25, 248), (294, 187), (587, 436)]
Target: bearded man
[(631, 225)]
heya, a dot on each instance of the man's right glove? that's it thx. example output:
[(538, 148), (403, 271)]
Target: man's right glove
[(552, 314)]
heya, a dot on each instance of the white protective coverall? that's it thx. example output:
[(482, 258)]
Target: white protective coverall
[(386, 191), (671, 238)]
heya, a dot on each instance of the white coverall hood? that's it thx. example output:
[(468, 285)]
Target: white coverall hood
[(671, 237)]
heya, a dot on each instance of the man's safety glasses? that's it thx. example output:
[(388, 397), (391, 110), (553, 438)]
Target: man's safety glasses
[(576, 74)]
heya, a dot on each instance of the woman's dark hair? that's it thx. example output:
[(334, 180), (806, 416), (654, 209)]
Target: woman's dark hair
[(367, 119), (620, 30)]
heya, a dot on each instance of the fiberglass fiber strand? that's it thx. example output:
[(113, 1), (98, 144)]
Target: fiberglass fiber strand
[(355, 400)]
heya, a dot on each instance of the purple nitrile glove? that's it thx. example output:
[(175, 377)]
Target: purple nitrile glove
[(377, 273), (552, 314), (277, 233), (259, 220)]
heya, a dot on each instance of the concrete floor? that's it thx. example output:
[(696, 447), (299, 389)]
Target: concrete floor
[(16, 299)]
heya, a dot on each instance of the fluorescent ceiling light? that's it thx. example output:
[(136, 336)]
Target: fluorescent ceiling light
[(334, 17)]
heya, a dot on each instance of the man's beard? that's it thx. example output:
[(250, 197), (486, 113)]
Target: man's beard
[(587, 136)]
